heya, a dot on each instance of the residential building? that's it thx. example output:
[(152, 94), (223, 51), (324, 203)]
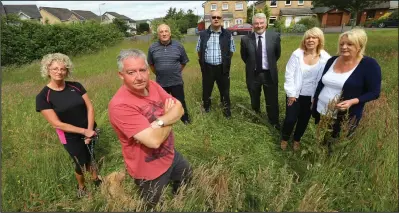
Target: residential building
[(330, 17), (293, 11), (84, 15), (24, 12), (52, 15), (376, 11), (233, 12), (108, 17)]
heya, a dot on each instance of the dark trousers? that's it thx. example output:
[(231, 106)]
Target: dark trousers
[(180, 172), (298, 113), (270, 89), (211, 74), (177, 91)]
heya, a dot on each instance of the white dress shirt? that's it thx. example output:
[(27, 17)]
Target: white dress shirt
[(265, 64)]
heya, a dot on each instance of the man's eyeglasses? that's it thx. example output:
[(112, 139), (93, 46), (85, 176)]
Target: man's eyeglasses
[(216, 17)]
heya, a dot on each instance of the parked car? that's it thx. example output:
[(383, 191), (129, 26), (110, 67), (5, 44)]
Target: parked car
[(390, 22), (241, 29)]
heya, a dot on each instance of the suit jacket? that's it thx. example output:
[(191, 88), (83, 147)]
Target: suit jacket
[(248, 54)]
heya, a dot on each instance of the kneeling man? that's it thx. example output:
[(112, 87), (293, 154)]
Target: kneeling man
[(142, 115)]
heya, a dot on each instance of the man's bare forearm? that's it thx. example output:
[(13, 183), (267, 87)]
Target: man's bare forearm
[(173, 115)]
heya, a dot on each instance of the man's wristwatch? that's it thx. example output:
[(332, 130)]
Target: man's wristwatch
[(160, 123)]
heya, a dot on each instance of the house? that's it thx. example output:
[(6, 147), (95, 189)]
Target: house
[(291, 10), (52, 15), (233, 12), (376, 11), (330, 17), (108, 17), (84, 15), (24, 12)]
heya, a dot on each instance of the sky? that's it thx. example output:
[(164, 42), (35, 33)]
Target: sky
[(136, 10)]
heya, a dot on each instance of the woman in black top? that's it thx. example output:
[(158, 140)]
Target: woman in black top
[(67, 107)]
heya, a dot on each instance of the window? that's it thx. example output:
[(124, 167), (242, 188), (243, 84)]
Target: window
[(273, 3), (225, 6), (239, 6), (272, 19), (239, 21), (214, 6), (370, 14), (287, 2), (300, 2)]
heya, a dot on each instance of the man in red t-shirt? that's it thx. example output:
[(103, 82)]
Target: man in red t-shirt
[(142, 115)]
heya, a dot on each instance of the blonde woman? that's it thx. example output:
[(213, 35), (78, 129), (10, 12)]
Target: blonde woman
[(67, 107), (302, 73), (351, 79)]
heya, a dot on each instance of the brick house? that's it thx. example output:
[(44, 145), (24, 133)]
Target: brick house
[(233, 12)]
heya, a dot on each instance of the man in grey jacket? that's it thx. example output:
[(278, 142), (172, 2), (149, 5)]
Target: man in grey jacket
[(260, 52)]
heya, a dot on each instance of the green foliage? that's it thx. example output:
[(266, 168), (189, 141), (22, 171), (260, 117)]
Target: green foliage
[(298, 28), (175, 30), (394, 14), (309, 22), (267, 11), (181, 19), (25, 41), (249, 13), (279, 24), (143, 27), (121, 25)]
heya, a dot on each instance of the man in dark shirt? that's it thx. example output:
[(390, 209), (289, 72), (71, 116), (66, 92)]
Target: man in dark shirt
[(167, 59)]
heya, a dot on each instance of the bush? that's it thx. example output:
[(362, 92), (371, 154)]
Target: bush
[(279, 24), (175, 30), (298, 28), (25, 41), (309, 22)]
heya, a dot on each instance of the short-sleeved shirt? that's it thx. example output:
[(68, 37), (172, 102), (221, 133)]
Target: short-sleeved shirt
[(167, 60), (130, 114), (69, 106)]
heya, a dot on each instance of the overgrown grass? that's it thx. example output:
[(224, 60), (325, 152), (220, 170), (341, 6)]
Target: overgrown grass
[(238, 163)]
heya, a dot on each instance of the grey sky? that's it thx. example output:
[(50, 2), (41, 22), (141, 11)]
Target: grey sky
[(136, 10)]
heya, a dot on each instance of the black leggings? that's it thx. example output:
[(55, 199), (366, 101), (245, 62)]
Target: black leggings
[(298, 113), (79, 153)]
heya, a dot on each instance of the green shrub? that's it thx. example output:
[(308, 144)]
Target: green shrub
[(279, 24), (25, 41), (309, 22), (298, 28)]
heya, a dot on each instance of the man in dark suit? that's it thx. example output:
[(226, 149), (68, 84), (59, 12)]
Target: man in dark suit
[(260, 52)]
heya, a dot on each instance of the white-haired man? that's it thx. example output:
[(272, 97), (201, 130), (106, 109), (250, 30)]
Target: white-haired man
[(260, 52)]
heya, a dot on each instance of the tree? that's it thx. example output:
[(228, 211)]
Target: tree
[(267, 12), (143, 27), (121, 25), (355, 6), (249, 13)]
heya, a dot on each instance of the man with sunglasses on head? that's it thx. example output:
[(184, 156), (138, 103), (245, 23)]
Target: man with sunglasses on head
[(215, 49), (260, 52)]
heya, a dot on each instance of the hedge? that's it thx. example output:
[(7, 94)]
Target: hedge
[(25, 41)]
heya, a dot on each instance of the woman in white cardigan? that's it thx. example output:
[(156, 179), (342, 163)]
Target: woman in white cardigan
[(302, 73)]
